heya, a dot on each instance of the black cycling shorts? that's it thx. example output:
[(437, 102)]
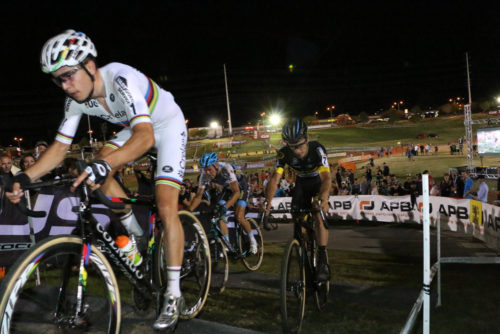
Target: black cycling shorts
[(305, 189)]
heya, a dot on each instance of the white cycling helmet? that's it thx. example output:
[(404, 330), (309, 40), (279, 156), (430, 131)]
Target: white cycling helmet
[(67, 49)]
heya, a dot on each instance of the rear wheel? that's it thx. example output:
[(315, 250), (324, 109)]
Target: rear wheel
[(251, 261), (293, 288), (39, 294), (220, 266)]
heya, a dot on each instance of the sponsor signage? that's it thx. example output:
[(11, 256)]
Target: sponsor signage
[(459, 215)]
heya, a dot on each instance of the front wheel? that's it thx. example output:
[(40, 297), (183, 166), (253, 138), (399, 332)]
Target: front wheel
[(321, 290), (251, 261), (40, 293), (293, 288), (196, 265), (220, 266)]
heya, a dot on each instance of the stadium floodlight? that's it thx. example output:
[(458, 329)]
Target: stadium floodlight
[(275, 119)]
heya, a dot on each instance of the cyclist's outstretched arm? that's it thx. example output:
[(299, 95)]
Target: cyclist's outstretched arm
[(324, 191), (47, 162), (271, 188), (197, 199)]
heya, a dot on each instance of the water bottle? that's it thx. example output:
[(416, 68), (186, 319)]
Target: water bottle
[(129, 248)]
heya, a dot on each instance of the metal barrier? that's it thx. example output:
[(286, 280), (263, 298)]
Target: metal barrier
[(429, 272)]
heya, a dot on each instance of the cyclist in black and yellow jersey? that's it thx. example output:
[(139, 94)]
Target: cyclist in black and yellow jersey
[(310, 162)]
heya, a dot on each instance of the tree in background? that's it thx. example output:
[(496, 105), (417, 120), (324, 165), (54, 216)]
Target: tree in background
[(363, 117), (448, 108), (309, 119)]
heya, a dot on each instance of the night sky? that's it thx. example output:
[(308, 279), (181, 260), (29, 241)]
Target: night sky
[(356, 55)]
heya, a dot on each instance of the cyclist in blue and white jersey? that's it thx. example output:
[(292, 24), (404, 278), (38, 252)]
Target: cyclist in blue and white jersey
[(223, 174), (122, 95)]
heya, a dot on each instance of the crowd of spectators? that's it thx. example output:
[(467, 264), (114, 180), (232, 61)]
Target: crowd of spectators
[(370, 180), (378, 180)]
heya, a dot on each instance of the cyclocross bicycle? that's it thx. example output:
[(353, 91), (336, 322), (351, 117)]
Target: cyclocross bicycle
[(298, 271), (78, 289), (238, 248)]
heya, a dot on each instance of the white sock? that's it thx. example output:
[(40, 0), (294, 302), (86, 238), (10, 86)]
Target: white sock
[(131, 224), (174, 274), (252, 237)]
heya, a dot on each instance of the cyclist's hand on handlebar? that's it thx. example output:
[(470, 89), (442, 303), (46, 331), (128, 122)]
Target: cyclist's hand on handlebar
[(95, 173), (325, 207), (267, 208), (20, 180), (16, 194)]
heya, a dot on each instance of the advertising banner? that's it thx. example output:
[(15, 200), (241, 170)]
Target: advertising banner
[(481, 220)]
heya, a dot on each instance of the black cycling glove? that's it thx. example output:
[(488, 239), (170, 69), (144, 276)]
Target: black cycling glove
[(22, 178), (98, 171)]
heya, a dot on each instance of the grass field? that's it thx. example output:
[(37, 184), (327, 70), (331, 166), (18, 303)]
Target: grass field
[(373, 293), (448, 130)]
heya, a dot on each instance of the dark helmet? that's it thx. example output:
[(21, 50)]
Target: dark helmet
[(293, 131), (208, 159)]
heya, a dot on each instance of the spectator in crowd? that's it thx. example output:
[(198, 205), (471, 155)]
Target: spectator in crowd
[(458, 182), (334, 189), (364, 186), (344, 190), (434, 188), (185, 197), (408, 153), (40, 148), (285, 186), (263, 177), (6, 167), (384, 188), (373, 188), (482, 193), (422, 147), (397, 190), (356, 188), (338, 177), (468, 184), (386, 170), (419, 183), (414, 193), (280, 192), (368, 174), (445, 188), (407, 183), (27, 160), (428, 149), (350, 176)]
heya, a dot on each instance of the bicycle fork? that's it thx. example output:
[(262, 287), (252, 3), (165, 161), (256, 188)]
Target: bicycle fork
[(78, 318)]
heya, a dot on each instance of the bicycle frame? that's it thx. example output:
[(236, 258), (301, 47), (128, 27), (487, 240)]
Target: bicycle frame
[(92, 232), (307, 245), (216, 233)]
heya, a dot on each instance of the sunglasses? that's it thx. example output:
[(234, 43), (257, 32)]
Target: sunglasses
[(297, 146), (66, 76)]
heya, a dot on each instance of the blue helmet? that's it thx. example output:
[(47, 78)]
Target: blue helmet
[(208, 159)]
